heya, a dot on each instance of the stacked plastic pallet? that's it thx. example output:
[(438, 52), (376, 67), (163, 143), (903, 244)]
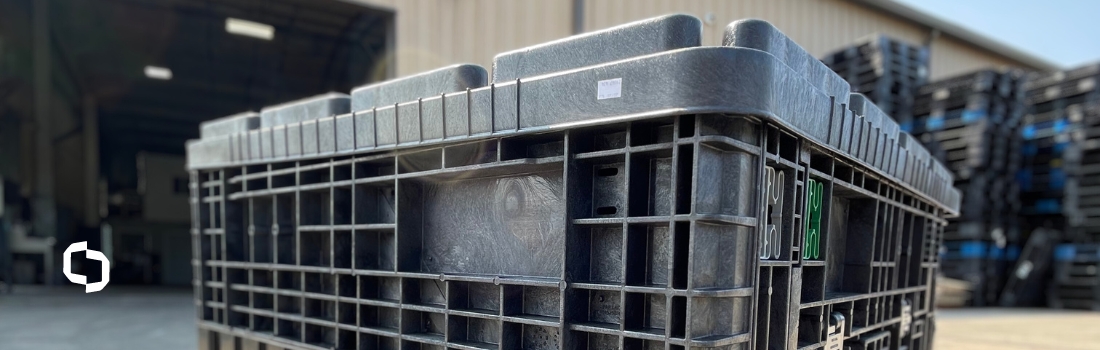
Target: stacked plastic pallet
[(886, 70), (1060, 174), (1090, 168), (1076, 282), (624, 189), (1090, 174), (1060, 180), (971, 123), (984, 265), (1061, 177)]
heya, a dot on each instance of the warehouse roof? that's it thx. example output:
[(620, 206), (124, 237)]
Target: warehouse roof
[(959, 32)]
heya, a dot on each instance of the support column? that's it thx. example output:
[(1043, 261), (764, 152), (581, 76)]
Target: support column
[(45, 216), (91, 163)]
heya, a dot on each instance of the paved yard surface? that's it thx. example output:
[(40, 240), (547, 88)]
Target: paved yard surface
[(64, 318), (119, 317), (1012, 329)]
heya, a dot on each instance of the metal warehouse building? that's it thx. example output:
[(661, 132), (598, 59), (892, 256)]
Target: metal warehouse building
[(431, 33), (87, 139)]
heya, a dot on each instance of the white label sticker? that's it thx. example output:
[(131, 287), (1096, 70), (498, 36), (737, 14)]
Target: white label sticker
[(941, 94), (611, 88), (1086, 84), (1052, 92)]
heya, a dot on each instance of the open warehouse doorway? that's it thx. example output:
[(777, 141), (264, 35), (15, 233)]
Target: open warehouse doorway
[(98, 97)]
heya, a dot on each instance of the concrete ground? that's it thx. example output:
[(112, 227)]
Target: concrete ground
[(119, 317), (65, 318), (1012, 329)]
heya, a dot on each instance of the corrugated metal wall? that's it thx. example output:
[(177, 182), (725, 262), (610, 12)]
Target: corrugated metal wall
[(952, 57), (433, 33), (819, 26)]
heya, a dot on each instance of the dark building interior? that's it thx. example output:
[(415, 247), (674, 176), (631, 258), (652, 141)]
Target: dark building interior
[(98, 97)]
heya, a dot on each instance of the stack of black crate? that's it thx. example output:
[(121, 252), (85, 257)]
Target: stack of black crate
[(886, 70), (971, 123), (1061, 177), (451, 210)]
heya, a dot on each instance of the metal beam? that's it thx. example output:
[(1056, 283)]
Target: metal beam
[(149, 111), (91, 163), (324, 24), (151, 129), (151, 143), (197, 93), (45, 215), (354, 29)]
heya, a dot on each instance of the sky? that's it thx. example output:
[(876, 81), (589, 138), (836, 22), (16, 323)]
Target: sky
[(1063, 32)]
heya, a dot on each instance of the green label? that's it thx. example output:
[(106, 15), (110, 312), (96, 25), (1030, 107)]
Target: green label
[(811, 247)]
